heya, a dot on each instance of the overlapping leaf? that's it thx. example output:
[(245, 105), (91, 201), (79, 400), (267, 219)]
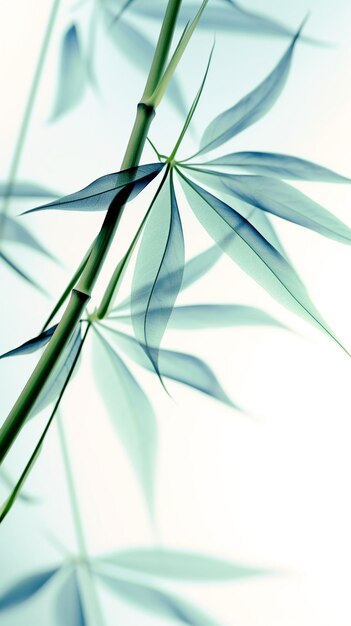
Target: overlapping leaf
[(253, 253), (73, 76), (278, 198), (32, 345), (159, 263), (131, 412), (178, 366), (279, 166), (101, 192)]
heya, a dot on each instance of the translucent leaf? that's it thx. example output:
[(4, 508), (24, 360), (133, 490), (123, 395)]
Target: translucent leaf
[(131, 412), (18, 270), (99, 194), (180, 565), (14, 231), (253, 253), (197, 316), (69, 605), (140, 51), (32, 345), (179, 366), (23, 189), (227, 16), (283, 200), (194, 269), (159, 263), (73, 75), (280, 166), (25, 589), (62, 370), (250, 108), (159, 603)]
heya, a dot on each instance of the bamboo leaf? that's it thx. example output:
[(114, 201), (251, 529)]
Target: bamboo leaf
[(139, 50), (250, 108), (99, 194), (18, 270), (279, 166), (32, 345), (69, 603), (180, 565), (24, 189), (254, 254), (73, 76), (131, 413), (14, 231), (227, 16), (193, 317), (158, 602), (178, 366), (159, 263), (26, 588), (279, 198)]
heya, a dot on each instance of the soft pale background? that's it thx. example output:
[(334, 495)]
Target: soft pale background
[(271, 490)]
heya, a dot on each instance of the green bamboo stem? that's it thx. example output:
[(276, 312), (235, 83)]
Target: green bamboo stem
[(95, 615), (82, 292), (28, 111)]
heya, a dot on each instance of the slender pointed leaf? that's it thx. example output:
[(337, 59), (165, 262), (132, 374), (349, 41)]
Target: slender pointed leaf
[(25, 589), (279, 166), (279, 198), (158, 602), (139, 50), (99, 194), (193, 317), (178, 366), (131, 413), (14, 267), (73, 76), (69, 603), (180, 565), (23, 189), (254, 254), (14, 231), (250, 108), (32, 345), (160, 262)]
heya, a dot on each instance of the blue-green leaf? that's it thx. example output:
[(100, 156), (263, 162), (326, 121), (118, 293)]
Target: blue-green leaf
[(140, 51), (180, 565), (18, 270), (179, 366), (279, 166), (226, 16), (250, 108), (158, 602), (32, 344), (159, 263), (73, 76), (253, 253), (61, 372), (69, 604), (25, 589), (197, 316), (279, 198), (14, 231), (99, 194), (131, 412), (24, 189)]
